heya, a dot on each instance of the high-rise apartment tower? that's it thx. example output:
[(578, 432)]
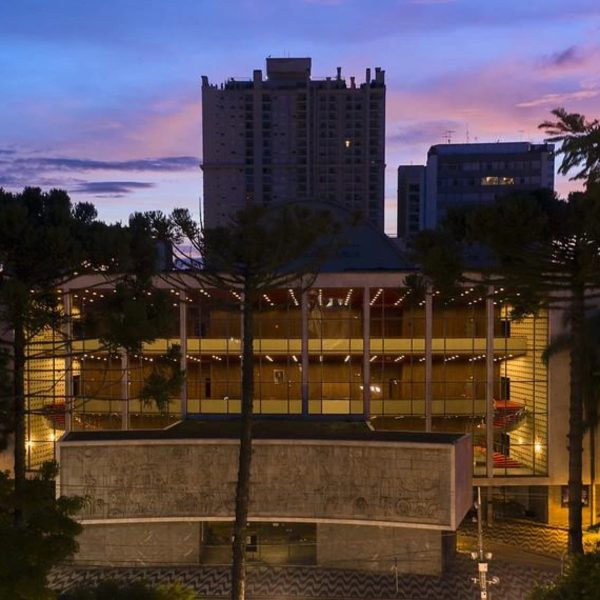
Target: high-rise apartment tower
[(289, 137)]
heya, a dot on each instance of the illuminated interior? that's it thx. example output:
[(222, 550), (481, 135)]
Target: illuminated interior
[(329, 352)]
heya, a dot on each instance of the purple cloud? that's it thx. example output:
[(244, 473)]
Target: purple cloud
[(567, 57), (428, 132), (21, 171), (170, 163), (114, 189)]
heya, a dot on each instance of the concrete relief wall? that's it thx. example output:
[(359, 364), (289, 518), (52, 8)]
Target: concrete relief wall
[(330, 481), (139, 544), (381, 549), (463, 479)]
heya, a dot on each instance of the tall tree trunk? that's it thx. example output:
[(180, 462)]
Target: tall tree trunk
[(242, 494), (592, 490), (19, 424), (576, 424)]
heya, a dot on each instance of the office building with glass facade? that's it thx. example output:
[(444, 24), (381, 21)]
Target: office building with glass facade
[(468, 175)]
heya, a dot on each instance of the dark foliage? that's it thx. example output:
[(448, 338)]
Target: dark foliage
[(259, 249), (581, 581), (138, 590), (579, 144), (45, 537)]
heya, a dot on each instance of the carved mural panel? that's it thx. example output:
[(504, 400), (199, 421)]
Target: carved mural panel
[(316, 480)]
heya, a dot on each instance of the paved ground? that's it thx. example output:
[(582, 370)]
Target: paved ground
[(303, 583), (524, 554)]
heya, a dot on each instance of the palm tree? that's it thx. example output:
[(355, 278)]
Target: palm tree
[(580, 144)]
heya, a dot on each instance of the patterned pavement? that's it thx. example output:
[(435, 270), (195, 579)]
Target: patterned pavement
[(524, 553), (528, 536), (304, 583), (536, 538)]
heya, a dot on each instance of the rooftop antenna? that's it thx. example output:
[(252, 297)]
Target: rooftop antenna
[(448, 135), (467, 134), (521, 132)]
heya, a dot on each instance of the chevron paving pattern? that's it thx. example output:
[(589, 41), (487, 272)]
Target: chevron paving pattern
[(304, 583), (538, 538)]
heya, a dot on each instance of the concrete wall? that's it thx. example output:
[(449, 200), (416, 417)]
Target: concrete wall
[(332, 481), (373, 502), (371, 548), (140, 544), (361, 547)]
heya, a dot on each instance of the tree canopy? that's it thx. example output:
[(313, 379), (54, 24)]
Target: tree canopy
[(45, 537), (579, 144), (540, 251), (262, 247), (45, 243), (581, 581)]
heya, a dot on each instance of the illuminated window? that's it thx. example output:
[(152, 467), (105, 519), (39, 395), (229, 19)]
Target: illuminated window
[(497, 181)]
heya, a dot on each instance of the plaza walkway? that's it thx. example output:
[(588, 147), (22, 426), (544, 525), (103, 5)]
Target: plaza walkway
[(524, 554)]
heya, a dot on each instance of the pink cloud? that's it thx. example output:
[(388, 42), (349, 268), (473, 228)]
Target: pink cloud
[(564, 186), (560, 99), (504, 100), (175, 131), (580, 60)]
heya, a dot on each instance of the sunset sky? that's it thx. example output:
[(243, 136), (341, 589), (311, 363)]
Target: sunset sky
[(103, 98)]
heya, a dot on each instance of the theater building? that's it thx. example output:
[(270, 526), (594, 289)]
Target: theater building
[(364, 397)]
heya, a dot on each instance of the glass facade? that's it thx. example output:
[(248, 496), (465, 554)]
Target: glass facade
[(359, 352)]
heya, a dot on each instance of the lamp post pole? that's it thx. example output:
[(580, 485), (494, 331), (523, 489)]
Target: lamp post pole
[(482, 557)]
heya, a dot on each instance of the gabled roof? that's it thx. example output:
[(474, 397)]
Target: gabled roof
[(365, 248)]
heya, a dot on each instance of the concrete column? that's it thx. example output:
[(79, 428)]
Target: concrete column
[(304, 357), (489, 383), (183, 346), (428, 358), (366, 353), (67, 331), (242, 300), (124, 391)]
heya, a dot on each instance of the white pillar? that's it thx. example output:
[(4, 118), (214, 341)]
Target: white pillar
[(183, 347), (124, 390), (366, 352), (428, 359), (489, 383), (304, 348), (67, 331)]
